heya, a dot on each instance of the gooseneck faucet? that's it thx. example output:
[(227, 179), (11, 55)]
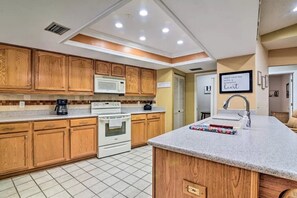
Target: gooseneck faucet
[(247, 104)]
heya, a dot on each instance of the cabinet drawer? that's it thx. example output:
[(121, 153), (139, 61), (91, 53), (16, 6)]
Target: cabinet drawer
[(138, 117), (14, 127), (153, 115), (82, 122), (50, 124)]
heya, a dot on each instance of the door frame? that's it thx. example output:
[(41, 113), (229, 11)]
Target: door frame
[(214, 103), (184, 117)]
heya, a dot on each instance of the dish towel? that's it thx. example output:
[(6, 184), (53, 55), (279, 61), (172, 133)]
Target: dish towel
[(115, 123), (213, 129)]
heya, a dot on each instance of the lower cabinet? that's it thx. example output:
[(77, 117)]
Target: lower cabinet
[(14, 152), (145, 127), (138, 129), (83, 141), (30, 145), (49, 146)]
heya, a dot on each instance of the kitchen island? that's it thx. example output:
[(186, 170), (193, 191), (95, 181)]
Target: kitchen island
[(259, 162)]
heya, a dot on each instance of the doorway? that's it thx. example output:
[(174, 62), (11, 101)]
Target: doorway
[(206, 96), (280, 96), (179, 101)]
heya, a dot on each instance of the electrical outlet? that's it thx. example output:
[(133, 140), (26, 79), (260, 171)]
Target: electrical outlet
[(22, 104)]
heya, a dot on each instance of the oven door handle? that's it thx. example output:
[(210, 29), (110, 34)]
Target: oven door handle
[(106, 119)]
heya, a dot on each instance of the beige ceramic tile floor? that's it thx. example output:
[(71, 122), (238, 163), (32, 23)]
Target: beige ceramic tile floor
[(124, 175)]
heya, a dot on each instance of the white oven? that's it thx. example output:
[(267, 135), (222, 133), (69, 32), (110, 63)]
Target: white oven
[(107, 84), (114, 128)]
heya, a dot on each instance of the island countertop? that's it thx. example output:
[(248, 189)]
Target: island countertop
[(268, 147)]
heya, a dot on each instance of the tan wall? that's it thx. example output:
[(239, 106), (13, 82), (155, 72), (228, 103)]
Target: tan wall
[(190, 98), (262, 97), (164, 96), (234, 64), (279, 57)]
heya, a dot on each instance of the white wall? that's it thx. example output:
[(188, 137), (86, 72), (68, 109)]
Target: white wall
[(203, 100), (261, 65), (281, 103)]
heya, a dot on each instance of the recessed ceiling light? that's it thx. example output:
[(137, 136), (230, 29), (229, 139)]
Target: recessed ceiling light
[(119, 25), (295, 9), (165, 30), (180, 42), (142, 12), (142, 38)]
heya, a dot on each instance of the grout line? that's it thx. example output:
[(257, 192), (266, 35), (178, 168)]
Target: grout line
[(37, 186), (59, 183), (15, 187)]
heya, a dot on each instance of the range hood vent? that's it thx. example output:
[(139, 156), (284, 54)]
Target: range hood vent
[(57, 28), (196, 69)]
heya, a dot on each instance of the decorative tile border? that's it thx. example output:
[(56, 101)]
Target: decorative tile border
[(70, 102)]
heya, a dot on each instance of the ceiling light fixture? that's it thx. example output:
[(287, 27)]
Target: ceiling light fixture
[(165, 30), (295, 9), (142, 38), (180, 42), (119, 25), (142, 12)]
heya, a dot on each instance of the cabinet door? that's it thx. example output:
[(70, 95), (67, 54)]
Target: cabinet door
[(14, 150), (138, 133), (50, 71), (83, 141), (15, 68), (49, 146), (103, 68), (81, 74), (132, 80), (154, 128), (118, 70), (148, 82)]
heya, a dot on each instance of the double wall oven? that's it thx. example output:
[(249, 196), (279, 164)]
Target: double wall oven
[(114, 128)]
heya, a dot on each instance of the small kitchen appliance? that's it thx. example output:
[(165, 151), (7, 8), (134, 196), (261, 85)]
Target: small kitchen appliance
[(61, 107), (148, 107), (114, 128)]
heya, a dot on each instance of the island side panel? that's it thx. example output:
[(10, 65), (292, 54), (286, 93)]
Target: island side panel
[(272, 187), (170, 169)]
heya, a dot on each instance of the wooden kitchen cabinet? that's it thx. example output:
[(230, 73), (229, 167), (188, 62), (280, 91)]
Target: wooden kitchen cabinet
[(138, 130), (148, 82), (145, 127), (81, 75), (118, 70), (83, 137), (50, 71), (50, 142), (154, 127), (15, 68), (132, 80), (15, 147), (103, 68)]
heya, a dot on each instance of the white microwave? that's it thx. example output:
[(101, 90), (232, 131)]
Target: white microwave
[(107, 84)]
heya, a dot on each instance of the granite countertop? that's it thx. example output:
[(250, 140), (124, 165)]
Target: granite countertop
[(268, 147), (137, 110)]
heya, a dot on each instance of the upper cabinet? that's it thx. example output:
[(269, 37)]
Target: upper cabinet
[(50, 71), (118, 70), (148, 82), (15, 68), (132, 80), (103, 68), (81, 74)]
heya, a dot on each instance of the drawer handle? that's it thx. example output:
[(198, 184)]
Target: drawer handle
[(83, 122), (8, 128), (193, 190)]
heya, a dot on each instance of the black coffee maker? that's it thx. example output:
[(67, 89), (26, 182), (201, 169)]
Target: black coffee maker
[(61, 107)]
